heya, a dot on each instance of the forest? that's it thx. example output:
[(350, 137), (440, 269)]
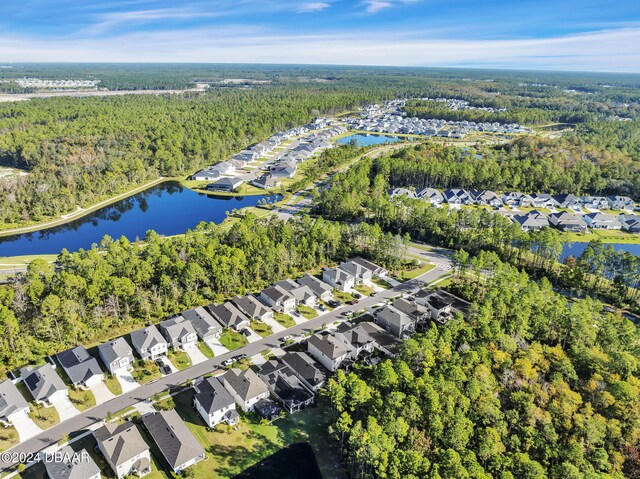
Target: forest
[(530, 385), (116, 286), (360, 193)]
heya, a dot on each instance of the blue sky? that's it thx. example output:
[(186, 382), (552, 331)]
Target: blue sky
[(543, 34)]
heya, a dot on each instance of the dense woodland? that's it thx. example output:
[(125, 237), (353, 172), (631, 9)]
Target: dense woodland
[(93, 295), (360, 193), (529, 386)]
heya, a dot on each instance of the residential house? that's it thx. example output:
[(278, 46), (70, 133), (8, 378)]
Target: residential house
[(486, 197), (383, 340), (225, 184), (285, 386), (356, 339), (543, 200), (397, 192), (124, 449), (302, 294), (228, 315), (278, 298), (431, 195), (533, 220), (214, 403), (374, 268), (67, 463), (601, 221), (394, 321), (179, 333), (617, 202), (594, 202), (245, 387), (117, 355), (457, 196), (266, 181), (82, 369), (338, 278), (439, 308), (149, 343), (327, 350), (284, 171), (214, 172), (630, 223), (44, 384), (176, 443), (568, 222), (205, 326), (303, 366), (568, 201), (13, 405), (361, 274), (252, 308), (416, 311), (321, 289), (515, 199)]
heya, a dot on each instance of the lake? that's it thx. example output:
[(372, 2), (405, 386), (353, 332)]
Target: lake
[(296, 461), (576, 249), (369, 140), (167, 208)]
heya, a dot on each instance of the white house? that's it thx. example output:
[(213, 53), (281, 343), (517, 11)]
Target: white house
[(278, 298), (124, 449), (245, 387), (214, 403), (117, 355), (338, 278), (327, 350), (149, 343)]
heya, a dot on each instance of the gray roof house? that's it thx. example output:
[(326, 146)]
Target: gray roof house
[(116, 355), (307, 370), (568, 222), (397, 323), (83, 369), (374, 268), (12, 403), (176, 443), (397, 192), (149, 343), (361, 274), (70, 464), (516, 198), (431, 195), (228, 315), (601, 221), (356, 339), (214, 403), (568, 201), (124, 449), (302, 293), (278, 298), (594, 202), (486, 197), (245, 386), (252, 308), (439, 307), (457, 196), (327, 350), (533, 220), (416, 311), (286, 386), (321, 289), (205, 325), (266, 181), (617, 202), (179, 332), (543, 200), (43, 383), (225, 184), (631, 224), (338, 278)]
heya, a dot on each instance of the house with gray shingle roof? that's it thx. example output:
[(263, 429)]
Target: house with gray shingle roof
[(124, 449), (228, 315), (179, 332), (321, 289), (117, 355), (66, 463), (43, 383), (285, 386), (205, 325), (82, 369), (356, 339), (327, 350), (252, 308), (176, 443), (302, 294), (278, 298), (338, 278), (149, 343), (361, 274), (245, 387), (601, 221), (12, 403), (533, 220), (307, 370), (431, 195), (568, 222), (396, 322), (214, 403)]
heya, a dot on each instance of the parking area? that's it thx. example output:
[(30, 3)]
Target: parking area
[(25, 426), (164, 363), (66, 410), (101, 392), (126, 380)]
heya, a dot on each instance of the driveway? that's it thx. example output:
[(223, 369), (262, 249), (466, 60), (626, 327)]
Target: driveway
[(25, 426), (253, 337), (275, 326), (258, 359), (101, 392), (66, 409), (144, 407), (297, 319), (195, 355), (126, 381), (217, 348), (166, 362)]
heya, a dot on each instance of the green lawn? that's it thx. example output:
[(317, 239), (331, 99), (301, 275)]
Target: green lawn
[(382, 283), (307, 312), (365, 290), (284, 320), (146, 371), (44, 417), (179, 359), (82, 400), (263, 329), (606, 236), (231, 339), (113, 384), (8, 437), (343, 296), (412, 273), (204, 349), (230, 450)]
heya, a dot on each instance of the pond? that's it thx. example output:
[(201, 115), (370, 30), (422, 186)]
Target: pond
[(576, 249), (296, 461), (369, 140), (167, 208)]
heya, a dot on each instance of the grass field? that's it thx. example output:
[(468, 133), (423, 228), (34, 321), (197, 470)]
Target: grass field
[(8, 437), (179, 359), (263, 329), (231, 339), (9, 261), (343, 296), (364, 290), (606, 236), (82, 400), (412, 273), (307, 312), (204, 349), (148, 371), (284, 320), (113, 384), (44, 417)]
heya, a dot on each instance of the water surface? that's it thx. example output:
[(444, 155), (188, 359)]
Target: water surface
[(576, 249), (369, 140)]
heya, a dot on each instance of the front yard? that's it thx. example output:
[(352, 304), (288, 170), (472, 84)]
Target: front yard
[(146, 371), (113, 384), (44, 417), (263, 329), (231, 339), (307, 311), (179, 359), (365, 290), (204, 349), (284, 320), (8, 437), (82, 400), (343, 296)]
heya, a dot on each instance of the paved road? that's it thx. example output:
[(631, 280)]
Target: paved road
[(98, 413)]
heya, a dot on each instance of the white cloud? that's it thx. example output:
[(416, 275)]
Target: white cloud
[(605, 50), (374, 6), (312, 7)]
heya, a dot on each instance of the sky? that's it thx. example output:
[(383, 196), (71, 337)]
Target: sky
[(580, 35)]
